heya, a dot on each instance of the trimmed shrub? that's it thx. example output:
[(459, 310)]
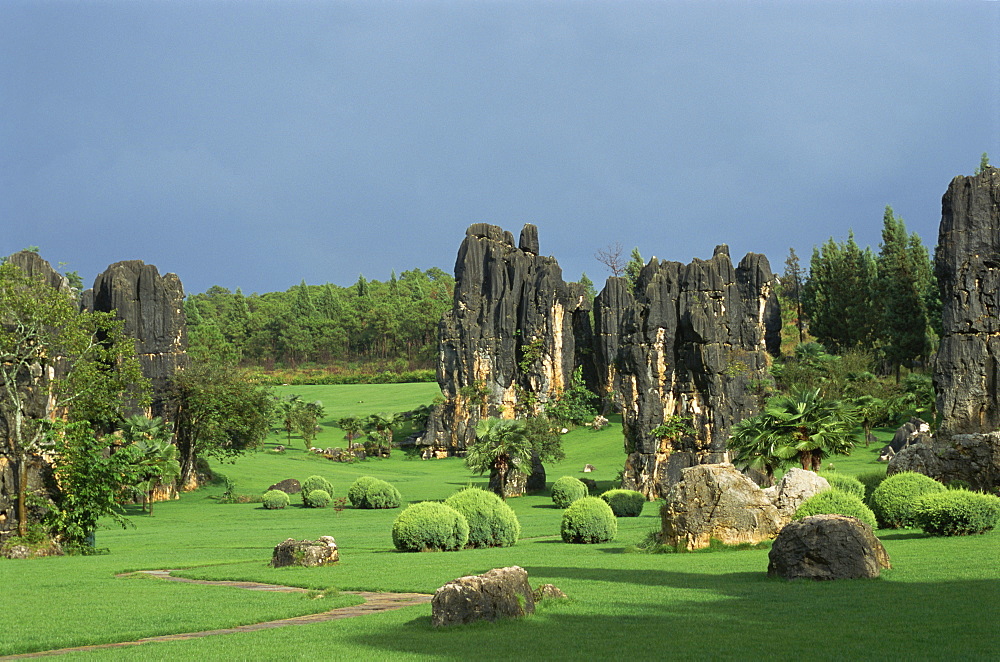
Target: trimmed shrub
[(318, 499), (835, 502), (871, 480), (275, 499), (895, 499), (568, 489), (430, 526), (356, 492), (625, 503), (313, 483), (492, 523), (956, 513), (845, 483), (589, 520)]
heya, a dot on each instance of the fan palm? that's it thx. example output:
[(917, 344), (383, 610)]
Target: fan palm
[(501, 447)]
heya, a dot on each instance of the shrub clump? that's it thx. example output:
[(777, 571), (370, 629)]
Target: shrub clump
[(844, 483), (313, 483), (568, 489), (492, 523), (318, 499), (835, 502), (956, 513), (895, 499), (430, 526), (368, 492), (275, 500), (871, 480), (589, 520), (625, 503)]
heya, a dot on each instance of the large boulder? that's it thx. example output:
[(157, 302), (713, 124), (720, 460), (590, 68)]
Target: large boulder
[(970, 458), (796, 486), (306, 553), (499, 593), (715, 501), (288, 486), (827, 547)]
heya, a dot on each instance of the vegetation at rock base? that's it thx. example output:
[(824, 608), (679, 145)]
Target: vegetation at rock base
[(845, 483), (501, 447)]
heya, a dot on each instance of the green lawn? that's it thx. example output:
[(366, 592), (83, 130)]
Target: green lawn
[(937, 602)]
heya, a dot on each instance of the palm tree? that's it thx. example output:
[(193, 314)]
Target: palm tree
[(382, 427), (754, 445), (869, 410), (352, 427), (289, 407), (157, 456), (808, 427), (501, 447)]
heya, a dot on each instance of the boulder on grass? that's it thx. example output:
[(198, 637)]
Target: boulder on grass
[(499, 593), (288, 486), (715, 501), (827, 547), (33, 551), (796, 486), (549, 592), (306, 552)]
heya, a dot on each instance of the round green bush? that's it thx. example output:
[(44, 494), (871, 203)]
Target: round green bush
[(568, 489), (845, 483), (356, 492), (589, 520), (956, 513), (380, 495), (318, 499), (895, 499), (315, 483), (275, 499), (492, 523), (430, 526), (625, 503), (835, 502), (871, 480)]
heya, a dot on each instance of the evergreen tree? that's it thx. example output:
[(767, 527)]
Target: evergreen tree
[(791, 289), (838, 295), (634, 267)]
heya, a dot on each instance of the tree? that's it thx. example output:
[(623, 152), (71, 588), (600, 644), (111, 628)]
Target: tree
[(574, 405), (611, 257), (984, 163), (838, 297), (381, 427), (352, 427), (156, 458), (218, 412), (791, 289), (55, 360), (501, 447), (306, 418), (288, 408), (634, 268)]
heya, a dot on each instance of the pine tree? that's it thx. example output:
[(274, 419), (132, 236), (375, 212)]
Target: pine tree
[(791, 289), (838, 295), (634, 267)]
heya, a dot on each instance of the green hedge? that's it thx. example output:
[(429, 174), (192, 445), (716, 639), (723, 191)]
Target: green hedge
[(835, 502), (275, 500), (318, 499), (492, 523), (568, 489), (895, 499), (368, 492), (588, 520), (956, 513), (845, 483), (871, 480), (313, 483), (625, 503), (430, 526)]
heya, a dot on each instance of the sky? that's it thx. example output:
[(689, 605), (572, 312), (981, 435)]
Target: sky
[(259, 144)]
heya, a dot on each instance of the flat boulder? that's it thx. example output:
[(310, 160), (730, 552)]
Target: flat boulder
[(288, 486), (499, 593), (306, 553), (796, 486), (715, 501), (825, 547)]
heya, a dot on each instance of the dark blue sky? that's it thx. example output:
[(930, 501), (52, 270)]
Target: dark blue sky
[(258, 144)]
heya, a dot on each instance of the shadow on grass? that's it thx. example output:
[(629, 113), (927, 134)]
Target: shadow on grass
[(904, 535)]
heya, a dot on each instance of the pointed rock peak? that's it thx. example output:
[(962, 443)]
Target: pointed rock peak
[(721, 249), (529, 239)]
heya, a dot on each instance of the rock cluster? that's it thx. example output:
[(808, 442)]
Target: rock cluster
[(499, 593), (827, 547), (306, 553), (794, 488)]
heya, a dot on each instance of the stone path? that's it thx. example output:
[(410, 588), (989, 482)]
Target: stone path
[(374, 603)]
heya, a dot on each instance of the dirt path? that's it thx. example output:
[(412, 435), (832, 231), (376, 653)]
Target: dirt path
[(374, 603)]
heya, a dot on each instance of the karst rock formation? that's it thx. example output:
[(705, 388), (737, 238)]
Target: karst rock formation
[(967, 368)]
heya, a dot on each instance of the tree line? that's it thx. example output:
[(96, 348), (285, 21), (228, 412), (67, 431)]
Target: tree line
[(392, 323)]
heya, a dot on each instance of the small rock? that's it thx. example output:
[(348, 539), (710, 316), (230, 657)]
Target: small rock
[(288, 486), (587, 468), (547, 592), (306, 552), (499, 593), (827, 547)]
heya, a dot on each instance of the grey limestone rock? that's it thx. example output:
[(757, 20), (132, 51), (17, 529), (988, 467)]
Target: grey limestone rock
[(971, 458), (499, 593), (796, 486), (306, 553), (827, 547)]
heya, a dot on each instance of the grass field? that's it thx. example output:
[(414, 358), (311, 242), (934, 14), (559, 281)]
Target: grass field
[(938, 601)]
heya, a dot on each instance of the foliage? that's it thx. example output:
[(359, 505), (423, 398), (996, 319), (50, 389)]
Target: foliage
[(588, 520), (156, 456), (791, 291), (544, 437), (673, 427), (845, 483), (984, 163), (501, 447), (492, 523), (625, 503), (835, 502), (373, 493), (318, 498), (219, 413), (894, 500), (275, 499), (430, 526), (315, 483), (633, 268), (838, 296), (575, 404), (956, 513), (568, 489)]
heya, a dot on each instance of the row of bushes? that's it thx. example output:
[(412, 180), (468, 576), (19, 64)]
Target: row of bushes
[(337, 378), (906, 499), (624, 503), (317, 492)]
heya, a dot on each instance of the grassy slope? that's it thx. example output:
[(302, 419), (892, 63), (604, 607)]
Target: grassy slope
[(719, 605)]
